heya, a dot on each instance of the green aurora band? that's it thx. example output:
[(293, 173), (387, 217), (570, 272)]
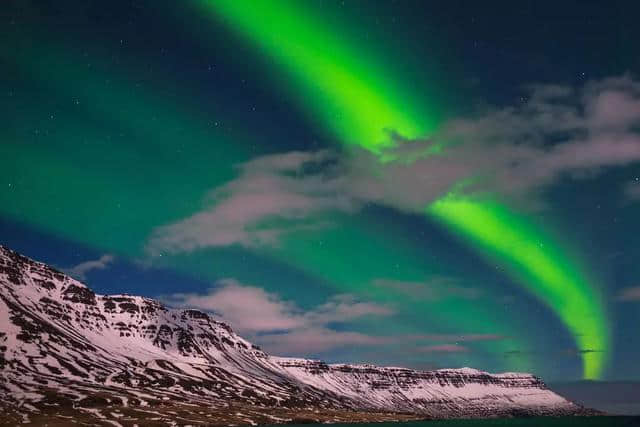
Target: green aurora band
[(134, 122), (333, 79), (538, 263), (364, 105), (104, 116)]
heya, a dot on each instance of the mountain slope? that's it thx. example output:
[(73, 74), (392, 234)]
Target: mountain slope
[(68, 352)]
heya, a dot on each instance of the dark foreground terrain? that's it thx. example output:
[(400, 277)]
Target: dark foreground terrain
[(602, 421), (182, 414)]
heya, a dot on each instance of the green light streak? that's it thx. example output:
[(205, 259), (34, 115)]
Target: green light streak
[(532, 257), (123, 125), (360, 102), (139, 176), (117, 127), (332, 79)]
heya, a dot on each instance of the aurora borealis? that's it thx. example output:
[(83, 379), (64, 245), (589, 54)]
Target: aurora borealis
[(331, 77), (360, 105), (304, 148), (540, 266)]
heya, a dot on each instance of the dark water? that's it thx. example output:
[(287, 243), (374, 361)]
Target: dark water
[(519, 422)]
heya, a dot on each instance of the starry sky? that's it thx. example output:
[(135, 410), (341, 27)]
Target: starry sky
[(425, 184)]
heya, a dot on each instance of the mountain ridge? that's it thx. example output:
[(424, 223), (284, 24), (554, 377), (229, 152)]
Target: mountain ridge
[(66, 351)]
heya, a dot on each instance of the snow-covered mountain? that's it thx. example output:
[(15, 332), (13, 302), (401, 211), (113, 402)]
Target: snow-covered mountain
[(118, 359)]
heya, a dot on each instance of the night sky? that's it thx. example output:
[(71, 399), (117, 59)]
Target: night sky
[(416, 183)]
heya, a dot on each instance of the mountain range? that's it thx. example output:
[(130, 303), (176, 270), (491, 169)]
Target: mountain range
[(67, 353)]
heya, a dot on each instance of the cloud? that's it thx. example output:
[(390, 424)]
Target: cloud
[(272, 196), (458, 337), (629, 294), (317, 340), (514, 151), (434, 289), (80, 271), (577, 352), (281, 325), (445, 348), (589, 350), (344, 307), (249, 309), (569, 352), (518, 353)]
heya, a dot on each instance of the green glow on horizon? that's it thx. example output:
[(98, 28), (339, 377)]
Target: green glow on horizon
[(345, 257), (334, 80), (359, 101)]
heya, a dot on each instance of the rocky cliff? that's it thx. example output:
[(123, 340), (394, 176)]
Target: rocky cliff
[(66, 352)]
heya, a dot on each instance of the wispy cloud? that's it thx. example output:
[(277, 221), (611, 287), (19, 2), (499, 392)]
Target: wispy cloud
[(80, 271), (281, 325), (519, 353), (629, 294), (272, 196), (569, 352), (317, 340), (458, 337), (444, 348), (433, 289), (249, 309), (514, 151)]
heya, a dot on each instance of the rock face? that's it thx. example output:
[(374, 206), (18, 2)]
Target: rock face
[(68, 352)]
